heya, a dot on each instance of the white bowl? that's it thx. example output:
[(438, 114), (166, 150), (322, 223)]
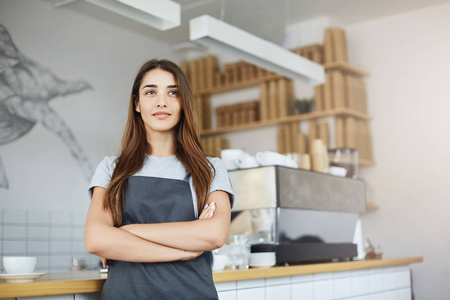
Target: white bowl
[(220, 261), (19, 264)]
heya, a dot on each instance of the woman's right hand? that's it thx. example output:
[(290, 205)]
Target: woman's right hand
[(191, 255), (208, 211), (105, 262)]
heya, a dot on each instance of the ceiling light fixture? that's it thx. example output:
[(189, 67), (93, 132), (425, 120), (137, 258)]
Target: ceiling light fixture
[(160, 14), (219, 35)]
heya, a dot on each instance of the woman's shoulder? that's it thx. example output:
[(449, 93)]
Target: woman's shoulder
[(109, 161), (103, 173), (107, 164)]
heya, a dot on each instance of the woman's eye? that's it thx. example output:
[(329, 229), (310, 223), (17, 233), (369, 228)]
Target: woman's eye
[(173, 93), (150, 92)]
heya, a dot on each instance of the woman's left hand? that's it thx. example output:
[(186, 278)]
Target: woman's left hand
[(208, 211)]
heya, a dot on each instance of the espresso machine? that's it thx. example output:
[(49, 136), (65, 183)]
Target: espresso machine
[(303, 216)]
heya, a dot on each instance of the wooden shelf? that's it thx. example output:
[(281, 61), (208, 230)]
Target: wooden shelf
[(237, 85), (288, 119), (345, 67)]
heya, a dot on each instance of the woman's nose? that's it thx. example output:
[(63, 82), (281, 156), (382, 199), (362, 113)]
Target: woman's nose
[(161, 101)]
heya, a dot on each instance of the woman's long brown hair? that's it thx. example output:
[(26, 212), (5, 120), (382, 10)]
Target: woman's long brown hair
[(135, 145)]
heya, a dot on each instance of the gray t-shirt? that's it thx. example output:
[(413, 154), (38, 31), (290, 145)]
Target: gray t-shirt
[(160, 192), (165, 167)]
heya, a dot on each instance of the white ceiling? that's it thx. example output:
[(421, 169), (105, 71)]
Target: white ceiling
[(264, 18)]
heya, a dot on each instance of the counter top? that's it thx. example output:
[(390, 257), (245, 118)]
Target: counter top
[(92, 281), (255, 273)]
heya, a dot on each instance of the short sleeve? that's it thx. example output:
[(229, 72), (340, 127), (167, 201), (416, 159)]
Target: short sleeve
[(103, 173), (221, 181)]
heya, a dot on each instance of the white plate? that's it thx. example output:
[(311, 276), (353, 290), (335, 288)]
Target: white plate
[(252, 257), (19, 278), (262, 260), (264, 263), (262, 255)]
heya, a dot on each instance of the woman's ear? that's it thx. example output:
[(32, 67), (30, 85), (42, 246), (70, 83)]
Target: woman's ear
[(137, 107)]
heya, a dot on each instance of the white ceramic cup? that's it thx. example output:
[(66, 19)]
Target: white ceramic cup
[(337, 171), (294, 159), (246, 161), (19, 264), (229, 157), (270, 158)]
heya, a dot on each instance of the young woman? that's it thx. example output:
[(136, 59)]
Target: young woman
[(159, 208)]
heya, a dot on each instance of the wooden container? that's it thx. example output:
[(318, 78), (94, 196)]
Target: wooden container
[(350, 137), (328, 46), (300, 141), (312, 135), (328, 92), (281, 136), (339, 133), (317, 155), (318, 97), (220, 116), (324, 134), (338, 89), (273, 105), (350, 91), (305, 162), (264, 102), (282, 98)]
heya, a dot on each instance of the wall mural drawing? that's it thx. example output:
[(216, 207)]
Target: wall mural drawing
[(25, 91)]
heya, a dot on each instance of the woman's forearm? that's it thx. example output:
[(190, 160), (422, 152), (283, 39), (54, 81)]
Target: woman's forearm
[(198, 235), (105, 240), (118, 244), (192, 236)]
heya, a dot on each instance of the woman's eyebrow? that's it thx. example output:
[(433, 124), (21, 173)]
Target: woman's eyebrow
[(155, 86), (150, 86)]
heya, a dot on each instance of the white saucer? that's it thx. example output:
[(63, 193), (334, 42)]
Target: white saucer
[(19, 278)]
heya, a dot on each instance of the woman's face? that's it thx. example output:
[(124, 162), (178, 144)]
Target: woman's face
[(159, 102)]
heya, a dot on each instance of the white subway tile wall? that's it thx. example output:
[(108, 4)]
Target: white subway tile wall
[(226, 286), (389, 283), (276, 292), (54, 238)]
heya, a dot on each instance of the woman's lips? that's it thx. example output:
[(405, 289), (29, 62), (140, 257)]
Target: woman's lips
[(161, 115)]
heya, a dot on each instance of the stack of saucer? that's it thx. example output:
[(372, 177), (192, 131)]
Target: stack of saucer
[(262, 259)]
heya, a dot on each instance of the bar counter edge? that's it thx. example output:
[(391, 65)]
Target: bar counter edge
[(92, 281)]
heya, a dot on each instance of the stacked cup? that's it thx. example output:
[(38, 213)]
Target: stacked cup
[(238, 159), (262, 259), (263, 256)]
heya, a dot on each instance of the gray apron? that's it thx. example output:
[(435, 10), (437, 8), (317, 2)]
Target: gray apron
[(159, 200)]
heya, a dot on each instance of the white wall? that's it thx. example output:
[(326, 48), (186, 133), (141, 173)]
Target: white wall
[(408, 56), (44, 210), (41, 171)]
